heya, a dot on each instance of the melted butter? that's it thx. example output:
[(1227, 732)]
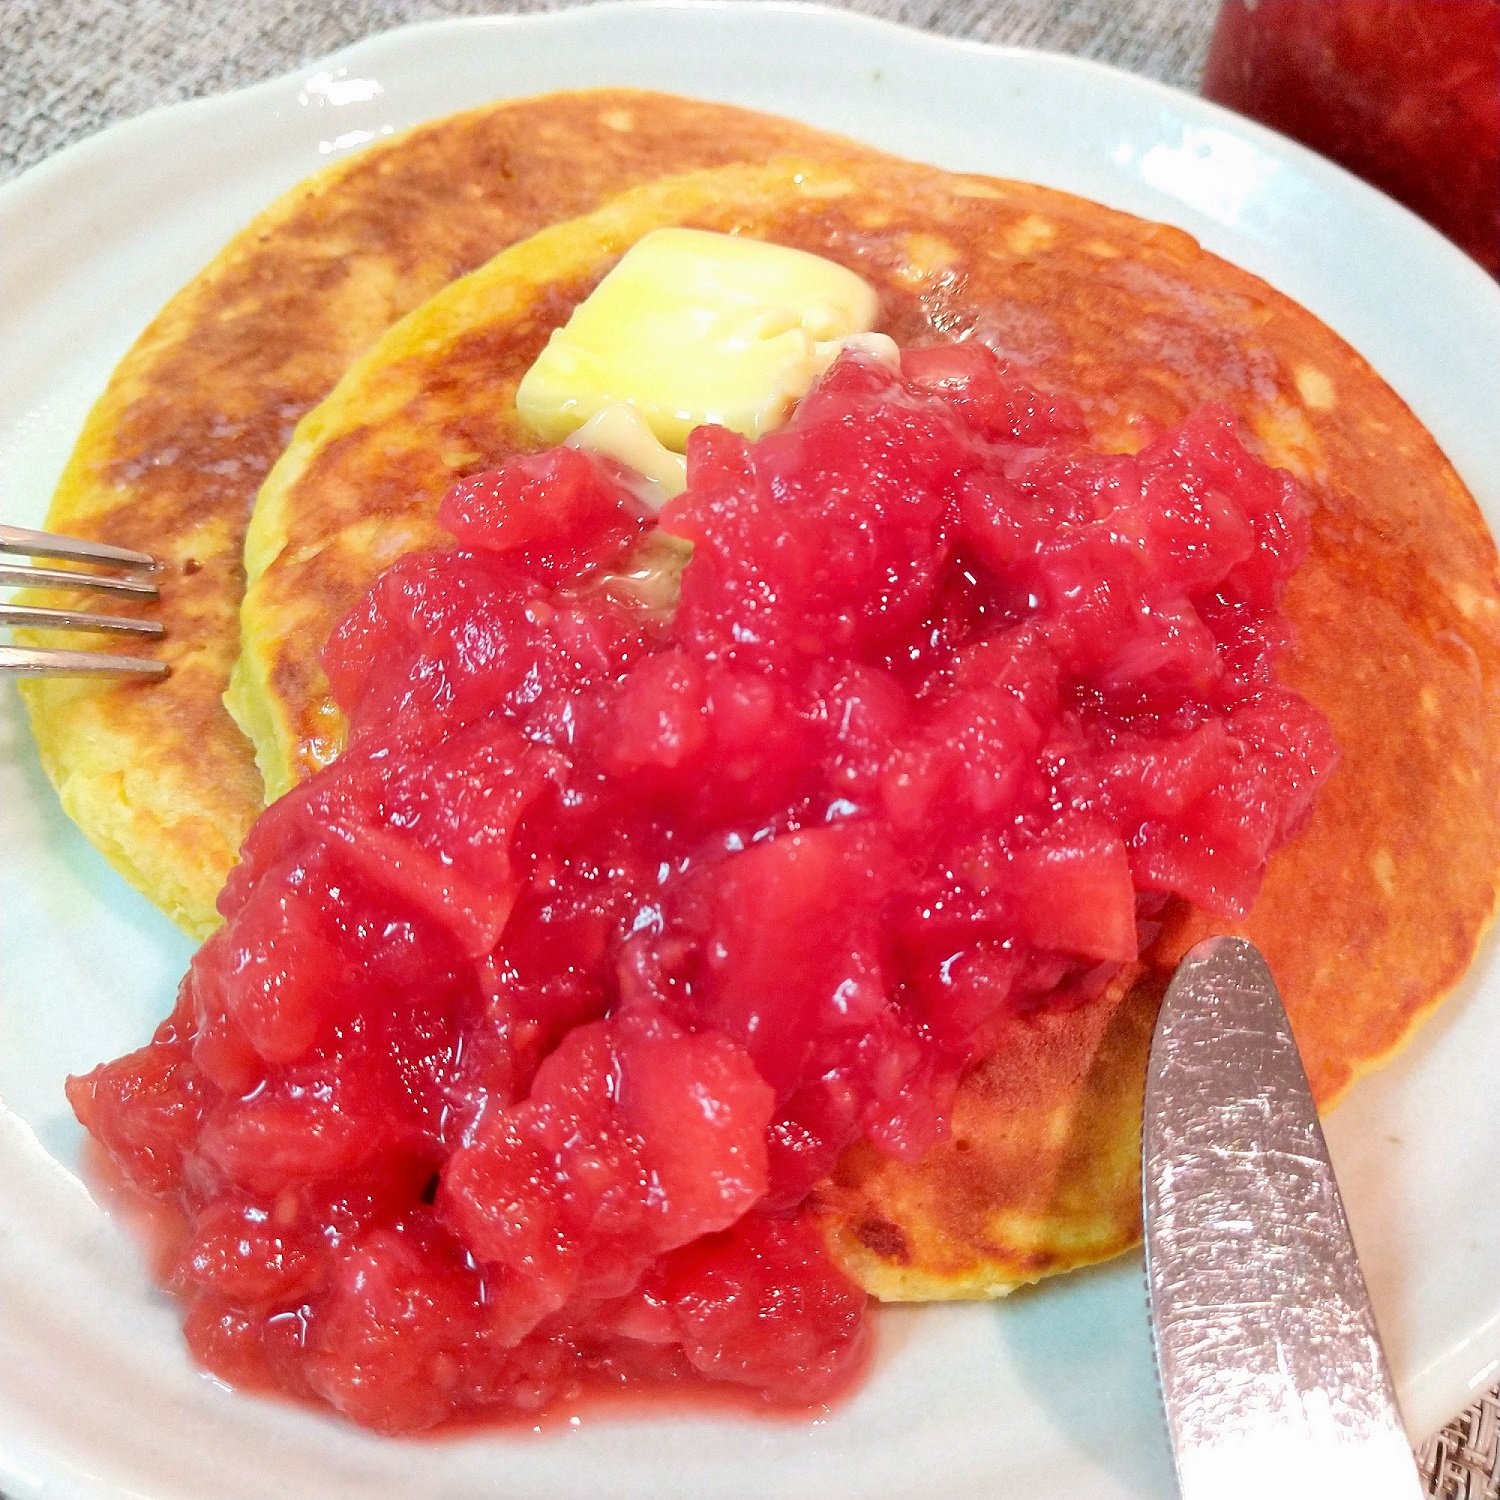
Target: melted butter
[(619, 431)]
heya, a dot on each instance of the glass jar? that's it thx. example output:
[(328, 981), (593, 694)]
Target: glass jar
[(1406, 93)]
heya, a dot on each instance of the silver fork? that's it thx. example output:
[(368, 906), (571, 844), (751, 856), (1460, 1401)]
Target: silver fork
[(30, 661)]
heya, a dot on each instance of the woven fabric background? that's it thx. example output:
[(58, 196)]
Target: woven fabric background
[(68, 68)]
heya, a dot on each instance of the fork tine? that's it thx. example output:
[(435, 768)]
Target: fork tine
[(17, 661), (25, 543), (19, 573), (36, 618), (25, 661)]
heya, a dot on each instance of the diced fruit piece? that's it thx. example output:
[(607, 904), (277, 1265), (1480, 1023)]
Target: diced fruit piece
[(1075, 895), (762, 1306), (792, 946), (555, 509), (985, 392), (387, 1346), (145, 1109), (700, 1111)]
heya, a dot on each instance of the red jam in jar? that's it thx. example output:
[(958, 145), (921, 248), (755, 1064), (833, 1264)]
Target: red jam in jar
[(1405, 93), (649, 883)]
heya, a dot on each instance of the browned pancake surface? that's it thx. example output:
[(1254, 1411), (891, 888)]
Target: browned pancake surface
[(158, 775)]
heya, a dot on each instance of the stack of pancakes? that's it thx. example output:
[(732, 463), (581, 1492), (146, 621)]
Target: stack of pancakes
[(286, 426)]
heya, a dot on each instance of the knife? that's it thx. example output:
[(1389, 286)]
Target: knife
[(1272, 1373)]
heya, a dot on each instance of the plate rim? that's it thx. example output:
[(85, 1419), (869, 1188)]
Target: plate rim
[(118, 136)]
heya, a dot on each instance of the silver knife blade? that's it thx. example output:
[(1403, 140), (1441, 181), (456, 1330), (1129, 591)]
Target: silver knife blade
[(1272, 1373)]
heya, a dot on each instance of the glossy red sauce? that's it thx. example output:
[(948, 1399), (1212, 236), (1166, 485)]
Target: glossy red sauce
[(1406, 93), (644, 889)]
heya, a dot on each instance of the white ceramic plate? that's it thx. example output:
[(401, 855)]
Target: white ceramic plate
[(1051, 1394)]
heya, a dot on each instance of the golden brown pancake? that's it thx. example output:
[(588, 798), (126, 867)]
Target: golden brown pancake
[(1368, 918), (173, 453)]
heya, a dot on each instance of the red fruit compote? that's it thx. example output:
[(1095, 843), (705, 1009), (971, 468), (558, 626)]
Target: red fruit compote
[(673, 853)]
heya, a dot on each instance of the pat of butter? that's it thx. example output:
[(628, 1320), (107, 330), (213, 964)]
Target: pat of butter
[(620, 432), (693, 327)]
